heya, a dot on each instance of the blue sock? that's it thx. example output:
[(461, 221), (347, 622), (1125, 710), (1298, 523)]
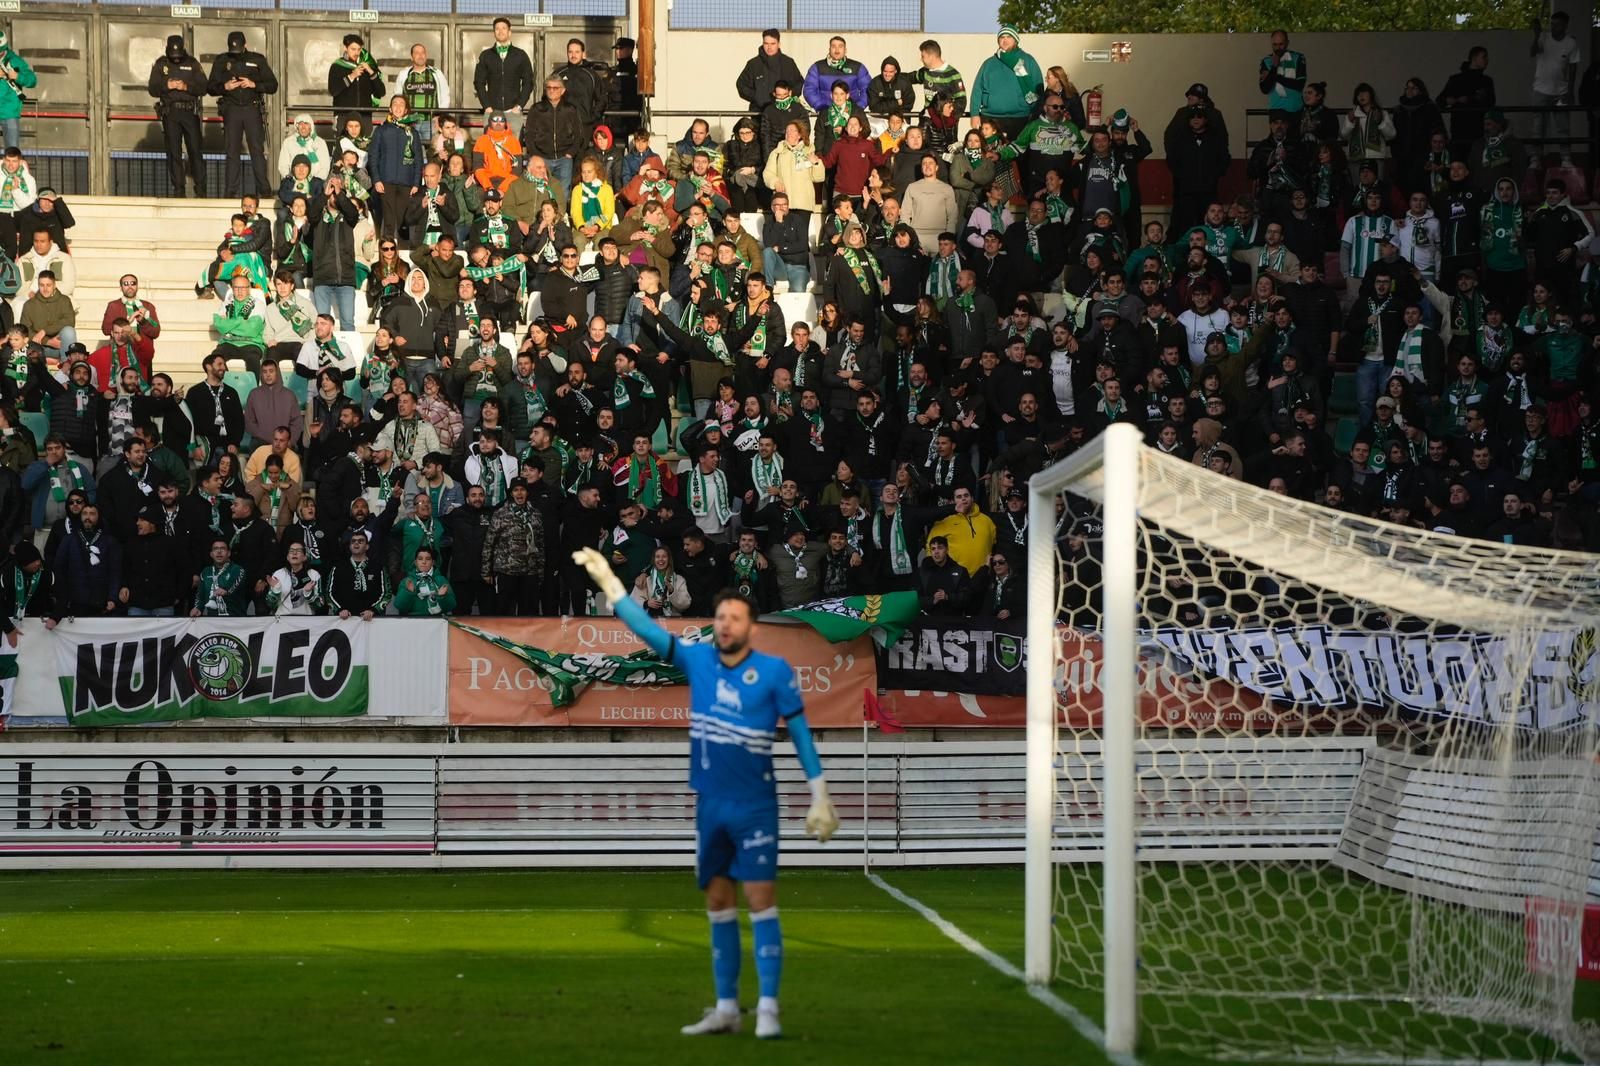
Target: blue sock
[(769, 950), (725, 952)]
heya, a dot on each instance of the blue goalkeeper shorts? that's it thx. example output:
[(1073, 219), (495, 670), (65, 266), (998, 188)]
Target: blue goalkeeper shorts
[(735, 840)]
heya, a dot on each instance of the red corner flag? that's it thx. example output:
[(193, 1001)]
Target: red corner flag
[(873, 711)]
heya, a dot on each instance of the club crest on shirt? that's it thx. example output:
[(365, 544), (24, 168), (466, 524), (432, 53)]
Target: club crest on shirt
[(749, 676)]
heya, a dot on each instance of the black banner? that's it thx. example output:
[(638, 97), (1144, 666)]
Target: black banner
[(985, 657)]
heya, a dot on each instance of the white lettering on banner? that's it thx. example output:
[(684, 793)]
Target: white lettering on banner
[(957, 651), (593, 636), (1546, 682)]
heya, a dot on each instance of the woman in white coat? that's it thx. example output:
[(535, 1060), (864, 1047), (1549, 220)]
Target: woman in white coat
[(660, 590)]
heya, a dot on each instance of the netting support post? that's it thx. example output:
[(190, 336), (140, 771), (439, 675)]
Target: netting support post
[(1120, 696), (1043, 587)]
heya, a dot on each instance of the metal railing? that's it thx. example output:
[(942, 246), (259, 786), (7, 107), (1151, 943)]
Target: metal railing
[(1584, 123)]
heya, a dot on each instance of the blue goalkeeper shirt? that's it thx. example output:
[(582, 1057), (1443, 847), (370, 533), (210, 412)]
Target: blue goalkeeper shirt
[(734, 713)]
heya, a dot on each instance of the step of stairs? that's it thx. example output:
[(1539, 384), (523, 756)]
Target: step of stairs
[(167, 243)]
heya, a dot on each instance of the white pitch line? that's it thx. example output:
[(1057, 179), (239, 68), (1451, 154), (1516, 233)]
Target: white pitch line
[(1072, 1015), (88, 909)]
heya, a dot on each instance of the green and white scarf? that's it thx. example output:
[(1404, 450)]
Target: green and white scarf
[(899, 552), (427, 590), (766, 474), (860, 261), (64, 479), (702, 503), (589, 203)]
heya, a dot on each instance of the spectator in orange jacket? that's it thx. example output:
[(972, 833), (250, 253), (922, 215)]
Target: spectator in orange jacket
[(496, 154)]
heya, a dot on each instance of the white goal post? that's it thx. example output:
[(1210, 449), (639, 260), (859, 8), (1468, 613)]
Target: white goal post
[(1113, 459)]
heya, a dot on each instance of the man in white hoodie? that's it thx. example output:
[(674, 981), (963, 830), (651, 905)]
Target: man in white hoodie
[(411, 319), (1418, 232), (303, 140)]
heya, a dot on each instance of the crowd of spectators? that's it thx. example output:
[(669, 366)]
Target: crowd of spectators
[(581, 341)]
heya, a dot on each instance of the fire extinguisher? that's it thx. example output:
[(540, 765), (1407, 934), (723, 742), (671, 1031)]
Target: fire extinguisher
[(1092, 106)]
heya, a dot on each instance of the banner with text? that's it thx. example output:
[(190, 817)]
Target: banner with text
[(172, 669), (969, 673), (186, 799), (587, 672), (1546, 682), (979, 657)]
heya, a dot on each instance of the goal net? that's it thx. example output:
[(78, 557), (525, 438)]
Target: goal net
[(1306, 786)]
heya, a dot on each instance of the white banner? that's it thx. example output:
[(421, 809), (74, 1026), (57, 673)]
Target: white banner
[(404, 662), (93, 799)]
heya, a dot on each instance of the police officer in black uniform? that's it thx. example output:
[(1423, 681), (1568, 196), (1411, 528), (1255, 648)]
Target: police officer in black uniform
[(625, 103), (243, 79), (178, 84)]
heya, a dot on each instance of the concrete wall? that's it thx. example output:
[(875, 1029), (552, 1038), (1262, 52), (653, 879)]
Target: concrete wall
[(696, 69)]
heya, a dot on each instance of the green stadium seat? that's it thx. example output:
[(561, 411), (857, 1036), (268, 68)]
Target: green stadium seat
[(1343, 399), (37, 423), (243, 382), (301, 387), (1344, 434)]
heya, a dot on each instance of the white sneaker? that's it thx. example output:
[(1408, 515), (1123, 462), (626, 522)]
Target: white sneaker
[(779, 288), (767, 1027), (715, 1021)]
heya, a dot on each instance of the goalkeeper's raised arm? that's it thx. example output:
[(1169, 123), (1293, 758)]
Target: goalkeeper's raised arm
[(737, 696)]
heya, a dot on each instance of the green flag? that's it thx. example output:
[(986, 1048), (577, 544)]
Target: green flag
[(845, 617), (569, 672)]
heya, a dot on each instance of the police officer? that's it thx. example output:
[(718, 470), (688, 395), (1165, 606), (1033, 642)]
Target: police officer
[(243, 79), (622, 109), (178, 83)]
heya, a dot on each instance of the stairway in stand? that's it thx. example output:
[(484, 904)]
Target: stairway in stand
[(166, 243)]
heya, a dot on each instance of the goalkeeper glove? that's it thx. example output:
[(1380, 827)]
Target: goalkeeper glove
[(600, 573), (822, 821)]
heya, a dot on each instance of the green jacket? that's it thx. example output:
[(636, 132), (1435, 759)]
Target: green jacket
[(10, 99), (999, 90), (50, 315), (414, 535), (424, 597), (248, 330), (1502, 236)]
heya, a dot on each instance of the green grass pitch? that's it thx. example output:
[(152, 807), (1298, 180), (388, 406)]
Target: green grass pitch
[(466, 967)]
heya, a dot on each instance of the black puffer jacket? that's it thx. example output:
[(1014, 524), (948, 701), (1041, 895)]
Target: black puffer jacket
[(613, 288)]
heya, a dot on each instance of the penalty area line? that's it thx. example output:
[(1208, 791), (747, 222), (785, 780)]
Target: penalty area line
[(1066, 1011)]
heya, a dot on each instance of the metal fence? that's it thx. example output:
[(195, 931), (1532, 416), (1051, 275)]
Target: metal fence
[(827, 15)]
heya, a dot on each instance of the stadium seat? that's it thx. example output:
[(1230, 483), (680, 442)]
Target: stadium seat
[(37, 423), (243, 382), (300, 386), (1343, 399), (797, 307), (1344, 434), (752, 221)]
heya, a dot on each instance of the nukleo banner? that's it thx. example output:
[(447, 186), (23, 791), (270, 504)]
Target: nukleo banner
[(168, 670)]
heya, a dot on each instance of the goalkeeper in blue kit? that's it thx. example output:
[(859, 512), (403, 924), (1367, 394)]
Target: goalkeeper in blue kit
[(736, 698)]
